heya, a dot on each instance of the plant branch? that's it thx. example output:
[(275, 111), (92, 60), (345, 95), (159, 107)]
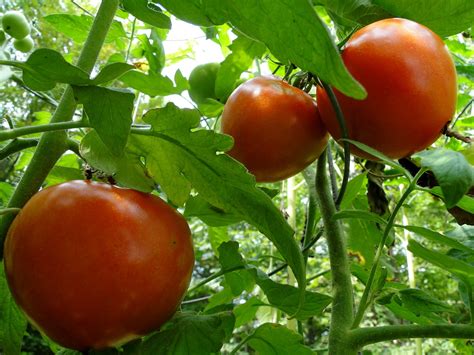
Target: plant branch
[(57, 126), (342, 304), (52, 145), (215, 276), (345, 144), (457, 135), (364, 336), (16, 146), (365, 296)]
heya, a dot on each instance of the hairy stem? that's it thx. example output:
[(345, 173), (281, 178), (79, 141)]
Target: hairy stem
[(364, 336), (53, 144), (342, 304)]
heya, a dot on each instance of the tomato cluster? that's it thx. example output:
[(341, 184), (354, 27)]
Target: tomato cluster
[(93, 265), (15, 24), (410, 81)]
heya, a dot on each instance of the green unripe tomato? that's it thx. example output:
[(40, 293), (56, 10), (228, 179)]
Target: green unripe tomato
[(202, 82), (15, 24), (24, 45), (2, 37)]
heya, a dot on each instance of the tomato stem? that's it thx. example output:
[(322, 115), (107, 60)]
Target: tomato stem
[(364, 336), (342, 303), (53, 144), (345, 144)]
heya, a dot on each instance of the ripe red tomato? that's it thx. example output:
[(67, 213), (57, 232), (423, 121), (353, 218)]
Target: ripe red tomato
[(276, 128), (93, 265), (410, 79)]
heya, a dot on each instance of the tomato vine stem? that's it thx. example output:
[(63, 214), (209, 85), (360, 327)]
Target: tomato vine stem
[(345, 144), (342, 303)]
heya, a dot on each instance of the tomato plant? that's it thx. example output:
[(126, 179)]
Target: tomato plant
[(410, 80), (276, 128), (93, 265), (344, 257)]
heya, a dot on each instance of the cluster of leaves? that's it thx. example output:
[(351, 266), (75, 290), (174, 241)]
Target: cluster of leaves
[(169, 151)]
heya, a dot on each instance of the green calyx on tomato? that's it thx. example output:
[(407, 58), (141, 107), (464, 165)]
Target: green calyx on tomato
[(276, 128), (410, 80), (15, 24), (94, 266), (202, 82)]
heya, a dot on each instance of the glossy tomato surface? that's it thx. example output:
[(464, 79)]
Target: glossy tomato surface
[(93, 265), (276, 128), (410, 79)]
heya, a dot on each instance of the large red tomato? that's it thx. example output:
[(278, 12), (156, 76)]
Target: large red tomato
[(410, 79), (93, 265), (276, 128)]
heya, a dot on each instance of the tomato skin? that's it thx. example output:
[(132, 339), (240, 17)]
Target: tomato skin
[(93, 265), (410, 79), (276, 128)]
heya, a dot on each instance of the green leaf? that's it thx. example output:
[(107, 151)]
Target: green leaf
[(153, 84), (276, 339), (78, 27), (217, 236), (420, 302), (239, 280), (349, 14), (284, 297), (452, 171), (466, 202), (109, 112), (360, 214), (353, 188), (45, 67), (244, 313), (191, 334), (111, 72), (178, 156), (458, 268), (444, 17), (196, 206), (305, 41), (153, 51), (12, 322), (244, 51), (287, 298), (437, 238), (192, 11), (383, 158), (149, 15), (127, 170)]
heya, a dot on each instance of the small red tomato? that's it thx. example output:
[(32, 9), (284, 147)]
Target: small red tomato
[(410, 80), (93, 265), (276, 128)]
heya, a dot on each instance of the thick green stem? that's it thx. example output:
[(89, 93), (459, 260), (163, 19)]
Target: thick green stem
[(364, 336), (364, 301), (53, 144), (342, 304)]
